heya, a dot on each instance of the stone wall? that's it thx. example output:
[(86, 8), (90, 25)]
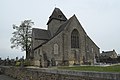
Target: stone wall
[(48, 49), (50, 74)]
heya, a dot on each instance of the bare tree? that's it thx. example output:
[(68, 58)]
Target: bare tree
[(22, 36)]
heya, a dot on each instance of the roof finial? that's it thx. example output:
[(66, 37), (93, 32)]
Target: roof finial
[(55, 3)]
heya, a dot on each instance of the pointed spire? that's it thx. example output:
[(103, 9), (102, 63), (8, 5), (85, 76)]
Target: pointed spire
[(57, 14)]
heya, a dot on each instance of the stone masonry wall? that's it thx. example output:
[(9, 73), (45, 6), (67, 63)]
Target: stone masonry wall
[(48, 49), (50, 74)]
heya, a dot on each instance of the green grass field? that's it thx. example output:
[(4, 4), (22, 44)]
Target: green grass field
[(115, 68)]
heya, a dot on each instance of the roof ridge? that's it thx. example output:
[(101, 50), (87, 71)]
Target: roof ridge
[(57, 14), (64, 25), (55, 33)]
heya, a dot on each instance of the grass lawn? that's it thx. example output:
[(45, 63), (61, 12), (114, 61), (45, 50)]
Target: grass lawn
[(115, 68)]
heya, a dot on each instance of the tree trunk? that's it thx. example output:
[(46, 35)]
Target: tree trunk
[(27, 55), (27, 52)]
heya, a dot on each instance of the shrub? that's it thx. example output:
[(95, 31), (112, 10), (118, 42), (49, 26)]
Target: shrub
[(17, 63), (26, 63)]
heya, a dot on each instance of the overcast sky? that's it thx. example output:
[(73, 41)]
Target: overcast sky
[(99, 18)]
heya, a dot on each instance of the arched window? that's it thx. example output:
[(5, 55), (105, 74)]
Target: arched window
[(75, 39)]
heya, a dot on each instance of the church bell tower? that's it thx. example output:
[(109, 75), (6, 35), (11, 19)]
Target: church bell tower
[(55, 20)]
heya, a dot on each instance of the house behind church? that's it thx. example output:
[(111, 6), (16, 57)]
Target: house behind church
[(109, 54), (108, 57), (65, 42)]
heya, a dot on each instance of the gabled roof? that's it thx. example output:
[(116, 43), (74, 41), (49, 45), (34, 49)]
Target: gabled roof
[(62, 27), (108, 53), (57, 14), (45, 34), (41, 34)]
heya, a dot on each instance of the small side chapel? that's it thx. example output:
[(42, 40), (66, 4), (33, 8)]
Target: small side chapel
[(65, 42)]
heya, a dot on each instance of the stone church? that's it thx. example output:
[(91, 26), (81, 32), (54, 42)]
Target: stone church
[(65, 42)]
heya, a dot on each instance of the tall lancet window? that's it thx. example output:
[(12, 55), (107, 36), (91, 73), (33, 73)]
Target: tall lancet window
[(75, 39)]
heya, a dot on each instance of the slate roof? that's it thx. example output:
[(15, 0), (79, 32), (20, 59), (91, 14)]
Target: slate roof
[(57, 14), (108, 53), (41, 34), (62, 27), (45, 34)]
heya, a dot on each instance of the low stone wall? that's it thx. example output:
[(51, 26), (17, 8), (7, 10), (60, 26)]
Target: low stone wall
[(50, 74)]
